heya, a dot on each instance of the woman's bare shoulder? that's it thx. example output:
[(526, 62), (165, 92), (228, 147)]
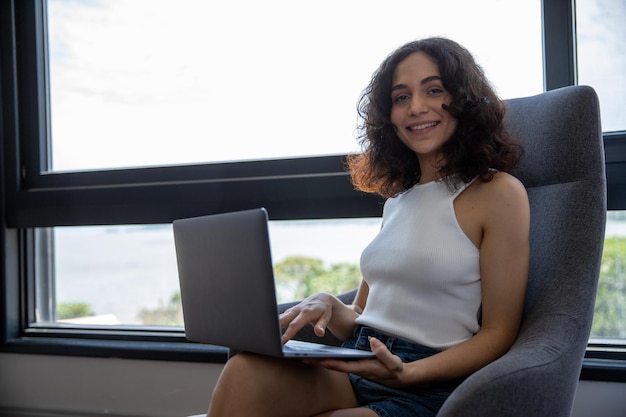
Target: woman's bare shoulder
[(504, 195), (502, 185)]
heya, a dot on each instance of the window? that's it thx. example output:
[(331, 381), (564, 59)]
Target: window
[(105, 141), (601, 56), (610, 311), (192, 88), (601, 59)]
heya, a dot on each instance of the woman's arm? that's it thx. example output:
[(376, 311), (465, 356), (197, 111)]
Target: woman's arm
[(360, 299)]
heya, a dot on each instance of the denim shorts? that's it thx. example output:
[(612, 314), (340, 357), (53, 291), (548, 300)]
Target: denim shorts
[(420, 401)]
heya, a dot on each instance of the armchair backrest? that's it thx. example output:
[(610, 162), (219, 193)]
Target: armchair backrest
[(563, 171)]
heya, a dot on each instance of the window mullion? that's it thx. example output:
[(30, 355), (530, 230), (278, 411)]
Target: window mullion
[(559, 43)]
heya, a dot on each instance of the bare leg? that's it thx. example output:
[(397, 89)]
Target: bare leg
[(260, 386)]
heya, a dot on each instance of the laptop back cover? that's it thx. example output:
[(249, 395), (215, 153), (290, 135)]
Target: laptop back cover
[(226, 280)]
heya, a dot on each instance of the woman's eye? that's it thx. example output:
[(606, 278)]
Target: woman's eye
[(435, 90), (400, 98)]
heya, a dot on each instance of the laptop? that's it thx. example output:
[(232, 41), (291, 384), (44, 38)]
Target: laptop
[(228, 290)]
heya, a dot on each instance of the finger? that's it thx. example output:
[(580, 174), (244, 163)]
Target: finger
[(291, 321), (384, 355), (292, 328), (320, 325), (287, 316)]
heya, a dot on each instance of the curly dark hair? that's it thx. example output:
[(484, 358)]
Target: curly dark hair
[(479, 145)]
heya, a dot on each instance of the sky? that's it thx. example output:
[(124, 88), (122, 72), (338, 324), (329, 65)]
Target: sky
[(156, 82), (602, 57)]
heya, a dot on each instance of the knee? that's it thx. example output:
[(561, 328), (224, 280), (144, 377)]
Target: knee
[(247, 369), (245, 362)]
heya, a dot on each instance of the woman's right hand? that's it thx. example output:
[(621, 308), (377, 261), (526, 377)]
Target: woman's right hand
[(324, 311), (316, 310)]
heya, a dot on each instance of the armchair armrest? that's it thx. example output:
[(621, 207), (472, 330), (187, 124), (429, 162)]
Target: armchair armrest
[(523, 381)]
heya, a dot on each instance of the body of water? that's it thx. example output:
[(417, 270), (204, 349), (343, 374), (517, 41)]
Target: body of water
[(121, 270)]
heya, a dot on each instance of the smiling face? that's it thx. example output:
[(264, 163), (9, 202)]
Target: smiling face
[(421, 122)]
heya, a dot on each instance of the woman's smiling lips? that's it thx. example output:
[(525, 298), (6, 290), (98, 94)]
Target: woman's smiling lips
[(421, 126)]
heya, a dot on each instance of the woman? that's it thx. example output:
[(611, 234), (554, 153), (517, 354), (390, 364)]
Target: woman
[(443, 282)]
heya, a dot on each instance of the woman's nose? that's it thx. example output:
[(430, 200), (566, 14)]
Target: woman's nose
[(418, 106)]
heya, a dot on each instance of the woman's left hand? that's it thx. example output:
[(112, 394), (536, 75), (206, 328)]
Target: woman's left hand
[(387, 369)]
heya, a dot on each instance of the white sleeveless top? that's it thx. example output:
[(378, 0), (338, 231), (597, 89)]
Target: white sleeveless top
[(422, 270)]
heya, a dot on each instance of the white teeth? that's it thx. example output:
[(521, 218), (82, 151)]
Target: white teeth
[(424, 126)]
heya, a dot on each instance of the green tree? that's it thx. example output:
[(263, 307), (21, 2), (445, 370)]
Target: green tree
[(73, 310), (297, 274), (170, 314), (610, 311), (339, 278), (301, 277)]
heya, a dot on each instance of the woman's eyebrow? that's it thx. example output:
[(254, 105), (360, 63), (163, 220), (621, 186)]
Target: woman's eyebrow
[(430, 79)]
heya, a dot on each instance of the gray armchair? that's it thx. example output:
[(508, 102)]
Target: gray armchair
[(563, 171)]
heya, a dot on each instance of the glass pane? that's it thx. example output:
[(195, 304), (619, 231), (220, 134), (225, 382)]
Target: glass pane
[(602, 58), (610, 311), (112, 275), (127, 274), (156, 82)]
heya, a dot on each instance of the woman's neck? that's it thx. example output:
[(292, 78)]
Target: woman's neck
[(429, 168)]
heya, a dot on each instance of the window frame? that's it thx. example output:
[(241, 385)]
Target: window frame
[(297, 188)]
